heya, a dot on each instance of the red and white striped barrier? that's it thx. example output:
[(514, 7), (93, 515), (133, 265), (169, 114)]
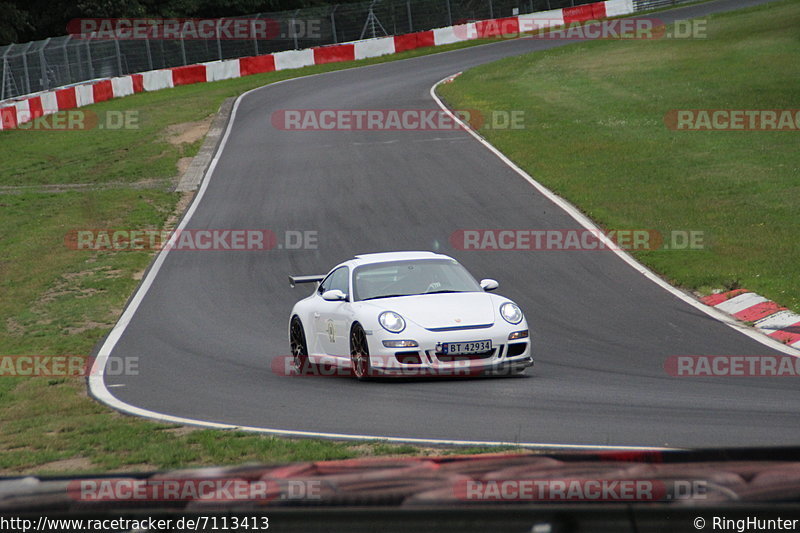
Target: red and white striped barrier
[(542, 19), (767, 316), (618, 8), (31, 107), (222, 70), (374, 47), (50, 102), (294, 59)]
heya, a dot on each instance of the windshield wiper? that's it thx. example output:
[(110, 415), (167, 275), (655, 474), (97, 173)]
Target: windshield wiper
[(437, 292)]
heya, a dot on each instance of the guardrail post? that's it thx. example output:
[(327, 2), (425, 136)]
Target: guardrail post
[(410, 22), (450, 13), (333, 23), (491, 10), (149, 54), (89, 57), (66, 58), (294, 29), (183, 50), (25, 69), (219, 44), (119, 56), (5, 72), (43, 65), (253, 31), (183, 46)]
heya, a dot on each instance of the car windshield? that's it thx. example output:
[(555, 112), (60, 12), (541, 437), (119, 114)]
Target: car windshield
[(413, 277)]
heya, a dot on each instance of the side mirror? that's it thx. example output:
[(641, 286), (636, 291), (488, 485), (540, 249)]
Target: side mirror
[(334, 295), (489, 284)]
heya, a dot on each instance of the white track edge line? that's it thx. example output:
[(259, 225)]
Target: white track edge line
[(587, 223)]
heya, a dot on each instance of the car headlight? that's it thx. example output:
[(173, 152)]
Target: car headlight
[(392, 322), (511, 313)]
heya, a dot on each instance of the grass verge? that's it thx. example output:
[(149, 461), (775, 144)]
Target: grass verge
[(594, 132)]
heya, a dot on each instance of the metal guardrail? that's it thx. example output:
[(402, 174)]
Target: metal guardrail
[(646, 5), (55, 62)]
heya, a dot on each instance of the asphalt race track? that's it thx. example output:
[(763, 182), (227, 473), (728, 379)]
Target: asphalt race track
[(207, 329)]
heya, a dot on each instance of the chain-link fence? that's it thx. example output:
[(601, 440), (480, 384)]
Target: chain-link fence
[(55, 62)]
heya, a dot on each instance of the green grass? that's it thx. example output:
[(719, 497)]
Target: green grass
[(595, 134), (57, 301)]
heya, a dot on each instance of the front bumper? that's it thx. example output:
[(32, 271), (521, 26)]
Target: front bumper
[(505, 357)]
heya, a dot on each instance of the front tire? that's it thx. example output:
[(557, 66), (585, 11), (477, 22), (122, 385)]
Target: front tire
[(359, 353), (297, 343)]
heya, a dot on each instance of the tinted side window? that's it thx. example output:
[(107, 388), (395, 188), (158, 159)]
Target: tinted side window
[(338, 279)]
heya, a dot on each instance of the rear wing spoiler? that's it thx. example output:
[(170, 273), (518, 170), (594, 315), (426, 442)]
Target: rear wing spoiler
[(294, 280)]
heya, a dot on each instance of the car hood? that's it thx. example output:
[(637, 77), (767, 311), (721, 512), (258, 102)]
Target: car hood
[(443, 310)]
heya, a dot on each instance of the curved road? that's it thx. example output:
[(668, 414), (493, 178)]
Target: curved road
[(211, 322)]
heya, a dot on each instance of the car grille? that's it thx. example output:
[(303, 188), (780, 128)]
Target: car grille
[(408, 358), (516, 348), (449, 358), (458, 328)]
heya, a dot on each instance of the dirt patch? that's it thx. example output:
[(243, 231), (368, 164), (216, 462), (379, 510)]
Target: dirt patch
[(14, 328), (74, 464), (187, 132), (368, 450), (149, 183), (183, 164), (52, 294), (67, 285), (138, 467), (182, 430), (184, 134), (86, 326)]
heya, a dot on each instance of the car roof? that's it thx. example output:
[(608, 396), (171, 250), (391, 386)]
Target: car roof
[(384, 257)]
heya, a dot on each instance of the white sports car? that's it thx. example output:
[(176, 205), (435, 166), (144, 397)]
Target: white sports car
[(407, 314)]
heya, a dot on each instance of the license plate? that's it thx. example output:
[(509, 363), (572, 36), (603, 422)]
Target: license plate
[(465, 348)]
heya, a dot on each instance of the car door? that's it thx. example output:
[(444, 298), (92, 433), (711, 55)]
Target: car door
[(331, 319)]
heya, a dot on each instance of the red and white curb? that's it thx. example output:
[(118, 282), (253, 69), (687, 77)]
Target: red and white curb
[(28, 108), (767, 317)]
